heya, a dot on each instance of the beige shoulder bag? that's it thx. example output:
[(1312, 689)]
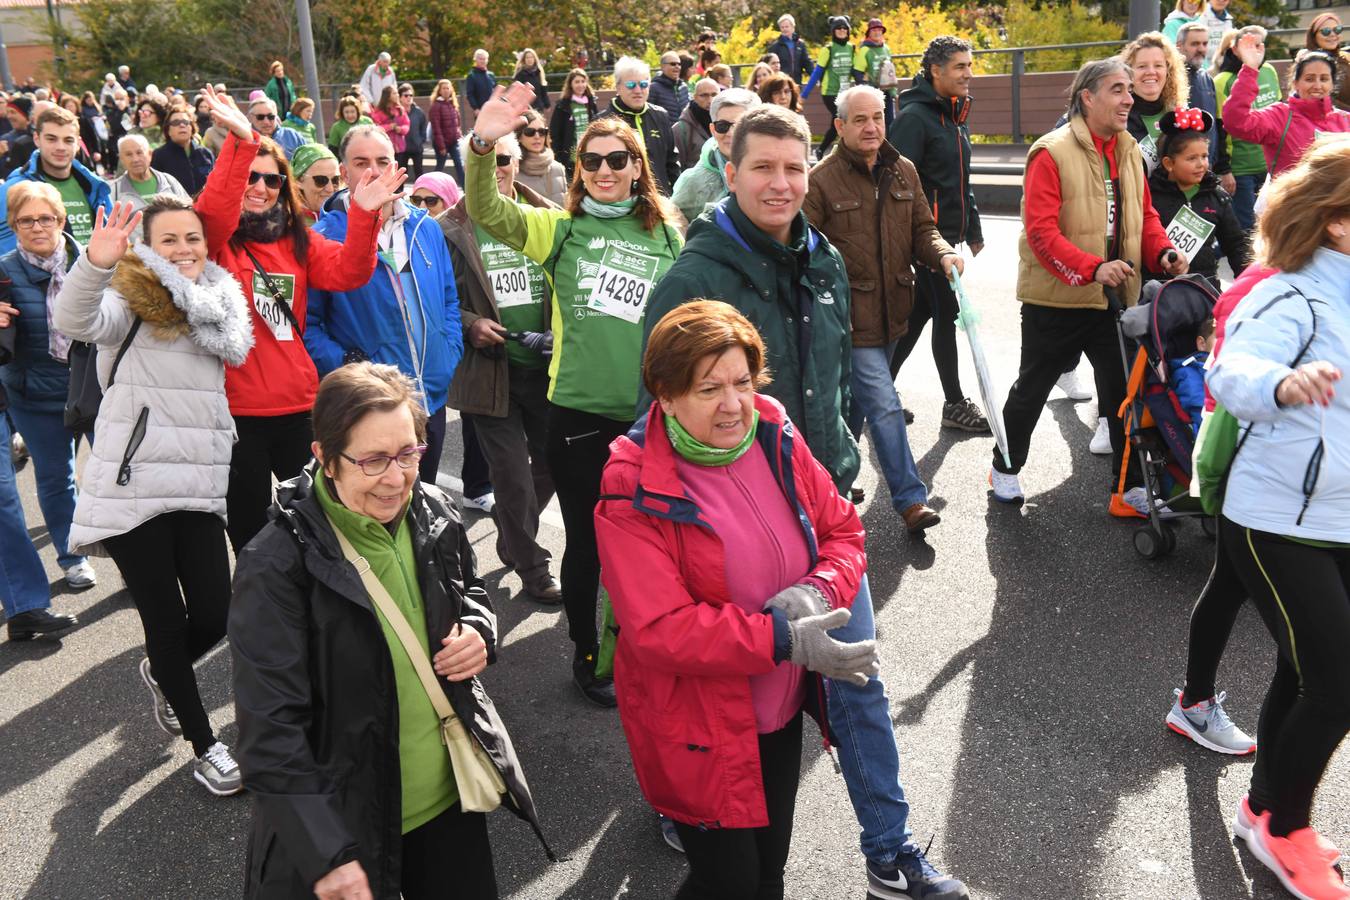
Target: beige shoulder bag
[(480, 784)]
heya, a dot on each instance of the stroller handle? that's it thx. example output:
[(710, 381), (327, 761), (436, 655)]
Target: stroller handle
[(1113, 301)]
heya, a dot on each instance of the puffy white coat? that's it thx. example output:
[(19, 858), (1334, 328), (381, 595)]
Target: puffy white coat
[(183, 461)]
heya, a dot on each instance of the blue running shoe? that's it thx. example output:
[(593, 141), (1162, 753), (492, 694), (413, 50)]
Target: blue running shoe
[(912, 877)]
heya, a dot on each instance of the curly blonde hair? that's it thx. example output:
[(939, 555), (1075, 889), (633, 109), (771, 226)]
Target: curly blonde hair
[(1176, 89)]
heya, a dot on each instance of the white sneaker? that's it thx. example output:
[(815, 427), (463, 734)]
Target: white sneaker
[(217, 771), (1137, 497), (165, 717), (1101, 440), (1068, 383), (483, 504), (1007, 488), (81, 577)]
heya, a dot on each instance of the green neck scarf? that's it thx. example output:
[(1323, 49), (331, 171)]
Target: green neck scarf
[(600, 210), (691, 449)]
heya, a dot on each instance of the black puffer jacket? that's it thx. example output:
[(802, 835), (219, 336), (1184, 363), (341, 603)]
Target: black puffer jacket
[(658, 139), (315, 696), (931, 132), (1212, 204)]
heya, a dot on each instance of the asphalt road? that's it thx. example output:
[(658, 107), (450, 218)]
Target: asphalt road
[(1029, 657)]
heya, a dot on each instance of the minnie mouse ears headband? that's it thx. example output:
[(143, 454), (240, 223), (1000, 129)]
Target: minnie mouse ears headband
[(1182, 120)]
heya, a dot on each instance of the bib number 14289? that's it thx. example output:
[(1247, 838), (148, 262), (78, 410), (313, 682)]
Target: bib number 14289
[(623, 284)]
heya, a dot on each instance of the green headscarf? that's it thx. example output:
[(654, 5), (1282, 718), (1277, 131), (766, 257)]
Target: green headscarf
[(307, 155)]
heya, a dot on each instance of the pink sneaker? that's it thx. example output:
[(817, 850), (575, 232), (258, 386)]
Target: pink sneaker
[(1299, 861), (1245, 820)]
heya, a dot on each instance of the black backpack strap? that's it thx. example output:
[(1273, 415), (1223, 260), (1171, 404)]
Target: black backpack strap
[(122, 351), (277, 297)]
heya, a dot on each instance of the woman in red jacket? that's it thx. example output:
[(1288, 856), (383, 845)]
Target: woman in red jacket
[(390, 115), (256, 229), (712, 661)]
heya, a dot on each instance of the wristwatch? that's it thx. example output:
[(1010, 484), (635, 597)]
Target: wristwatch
[(478, 143)]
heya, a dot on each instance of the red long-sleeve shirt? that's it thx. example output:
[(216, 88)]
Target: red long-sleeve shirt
[(1060, 256)]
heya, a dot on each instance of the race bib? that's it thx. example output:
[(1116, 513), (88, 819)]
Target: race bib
[(1188, 232), (1149, 148), (1331, 135), (510, 276), (267, 308), (622, 284), (1110, 211)]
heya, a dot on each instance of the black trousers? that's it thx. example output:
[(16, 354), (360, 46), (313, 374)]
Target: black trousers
[(1051, 338), (933, 300), (1212, 621), (449, 857), (830, 133), (412, 161), (267, 446), (178, 572), (1303, 595), (475, 472), (748, 863), (431, 460), (578, 448)]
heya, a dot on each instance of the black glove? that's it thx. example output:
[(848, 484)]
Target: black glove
[(540, 342)]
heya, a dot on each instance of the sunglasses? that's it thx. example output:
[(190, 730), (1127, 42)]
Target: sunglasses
[(174, 123), (273, 180), (636, 84), (265, 117), (1328, 31), (503, 160), (617, 161), (424, 200), (321, 181), (533, 132), (722, 126)]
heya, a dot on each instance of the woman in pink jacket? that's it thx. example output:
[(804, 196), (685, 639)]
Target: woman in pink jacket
[(728, 555), (1285, 129), (390, 115)]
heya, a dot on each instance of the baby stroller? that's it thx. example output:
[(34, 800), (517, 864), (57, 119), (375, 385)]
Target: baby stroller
[(1156, 426)]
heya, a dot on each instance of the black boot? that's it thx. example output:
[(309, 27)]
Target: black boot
[(599, 691), (28, 625)]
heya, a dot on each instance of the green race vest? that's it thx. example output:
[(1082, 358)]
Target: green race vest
[(79, 216), (520, 288), (837, 61)]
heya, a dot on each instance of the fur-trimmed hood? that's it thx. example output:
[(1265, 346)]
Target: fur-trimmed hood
[(212, 310)]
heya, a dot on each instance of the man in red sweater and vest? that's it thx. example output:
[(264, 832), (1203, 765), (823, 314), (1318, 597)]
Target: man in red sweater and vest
[(1087, 225)]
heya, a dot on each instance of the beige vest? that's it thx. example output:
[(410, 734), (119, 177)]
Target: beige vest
[(1082, 216)]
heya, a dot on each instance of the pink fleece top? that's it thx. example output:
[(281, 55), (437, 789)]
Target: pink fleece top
[(765, 551)]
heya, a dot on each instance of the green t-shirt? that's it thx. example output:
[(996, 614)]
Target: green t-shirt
[(520, 289), (581, 117), (837, 61), (869, 59), (428, 780), (1248, 158), (79, 215), (601, 271), (145, 188)]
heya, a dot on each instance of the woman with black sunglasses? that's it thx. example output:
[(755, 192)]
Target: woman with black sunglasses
[(315, 170), (256, 228), (602, 253), (181, 155), (539, 171), (1324, 33)]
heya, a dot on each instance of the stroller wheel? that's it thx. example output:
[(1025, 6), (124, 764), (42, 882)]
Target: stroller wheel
[(1151, 543), (1210, 526)]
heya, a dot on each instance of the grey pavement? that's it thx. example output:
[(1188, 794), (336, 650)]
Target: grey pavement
[(1029, 656)]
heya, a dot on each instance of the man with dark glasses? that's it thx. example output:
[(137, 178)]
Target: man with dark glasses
[(632, 83), (262, 115)]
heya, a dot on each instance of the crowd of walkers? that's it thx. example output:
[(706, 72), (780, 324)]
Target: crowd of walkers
[(670, 314)]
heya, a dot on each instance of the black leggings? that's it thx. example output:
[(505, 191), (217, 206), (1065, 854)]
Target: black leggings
[(412, 161), (578, 448), (267, 446), (156, 558), (830, 133), (933, 299), (1303, 595), (449, 857), (748, 863), (1211, 623)]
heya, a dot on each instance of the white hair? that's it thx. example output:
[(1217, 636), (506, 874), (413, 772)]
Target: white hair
[(846, 96), (786, 17), (507, 143), (262, 101), (480, 52), (384, 55), (631, 65), (738, 97), (134, 139)]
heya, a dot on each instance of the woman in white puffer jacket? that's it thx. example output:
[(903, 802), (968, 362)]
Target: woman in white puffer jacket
[(153, 491)]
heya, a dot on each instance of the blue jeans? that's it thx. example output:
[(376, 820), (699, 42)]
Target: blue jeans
[(1244, 198), (52, 447), (860, 718), (23, 582), (876, 402)]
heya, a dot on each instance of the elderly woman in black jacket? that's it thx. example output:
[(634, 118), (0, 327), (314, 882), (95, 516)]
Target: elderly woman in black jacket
[(339, 742)]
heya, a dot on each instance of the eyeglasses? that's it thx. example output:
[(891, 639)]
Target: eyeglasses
[(722, 126), (1328, 31), (265, 117), (424, 200), (378, 465), (533, 132), (273, 180), (28, 223), (616, 161), (504, 160), (637, 84), (322, 181)]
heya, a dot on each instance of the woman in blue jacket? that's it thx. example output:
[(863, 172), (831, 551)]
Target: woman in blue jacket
[(1286, 511)]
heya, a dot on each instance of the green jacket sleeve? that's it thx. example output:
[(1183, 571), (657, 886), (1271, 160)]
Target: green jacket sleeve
[(527, 229)]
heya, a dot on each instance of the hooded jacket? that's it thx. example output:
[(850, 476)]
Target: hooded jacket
[(170, 388), (685, 653), (691, 133), (315, 697), (1302, 117), (878, 220), (420, 334), (1213, 204), (798, 297), (444, 125), (95, 192), (702, 184), (931, 132), (652, 125)]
